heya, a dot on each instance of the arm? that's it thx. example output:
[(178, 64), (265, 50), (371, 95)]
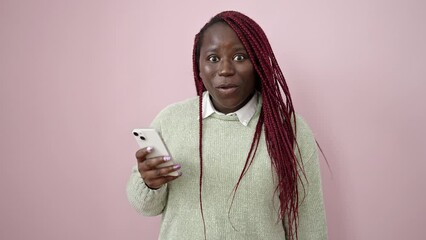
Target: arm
[(312, 220), (147, 201), (147, 186)]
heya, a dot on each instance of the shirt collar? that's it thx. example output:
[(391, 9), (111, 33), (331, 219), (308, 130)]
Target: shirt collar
[(244, 114)]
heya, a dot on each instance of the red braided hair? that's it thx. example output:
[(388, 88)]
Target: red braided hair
[(276, 116)]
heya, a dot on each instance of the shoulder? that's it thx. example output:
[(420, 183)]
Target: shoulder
[(182, 107), (302, 127), (176, 110)]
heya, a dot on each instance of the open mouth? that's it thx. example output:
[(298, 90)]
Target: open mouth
[(227, 88)]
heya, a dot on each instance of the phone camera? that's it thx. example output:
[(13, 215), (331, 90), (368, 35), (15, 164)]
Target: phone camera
[(136, 134), (143, 138)]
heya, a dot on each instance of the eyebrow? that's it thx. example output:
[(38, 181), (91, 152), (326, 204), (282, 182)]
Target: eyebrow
[(236, 49), (240, 49)]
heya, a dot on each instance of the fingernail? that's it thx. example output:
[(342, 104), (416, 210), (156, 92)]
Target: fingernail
[(177, 166), (167, 158), (149, 149)]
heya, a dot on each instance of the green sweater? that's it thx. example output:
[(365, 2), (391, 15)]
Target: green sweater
[(226, 143)]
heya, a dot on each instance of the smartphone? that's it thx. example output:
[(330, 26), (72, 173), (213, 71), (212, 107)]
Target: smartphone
[(147, 137)]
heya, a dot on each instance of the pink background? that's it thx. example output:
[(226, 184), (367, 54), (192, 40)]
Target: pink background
[(78, 76)]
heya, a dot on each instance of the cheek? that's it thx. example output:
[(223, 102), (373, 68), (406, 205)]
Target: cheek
[(248, 73), (204, 78), (250, 70), (206, 73)]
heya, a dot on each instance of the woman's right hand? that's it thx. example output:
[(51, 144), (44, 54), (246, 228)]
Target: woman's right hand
[(153, 176)]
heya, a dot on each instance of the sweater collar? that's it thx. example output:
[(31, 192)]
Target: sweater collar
[(244, 114)]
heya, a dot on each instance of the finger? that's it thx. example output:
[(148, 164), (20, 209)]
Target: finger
[(152, 163), (142, 153), (171, 178), (159, 172), (158, 182)]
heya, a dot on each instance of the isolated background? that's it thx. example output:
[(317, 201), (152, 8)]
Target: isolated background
[(78, 76)]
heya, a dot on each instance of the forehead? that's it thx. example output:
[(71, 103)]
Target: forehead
[(220, 34)]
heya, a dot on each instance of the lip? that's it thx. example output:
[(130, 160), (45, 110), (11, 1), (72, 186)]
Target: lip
[(227, 85), (227, 88)]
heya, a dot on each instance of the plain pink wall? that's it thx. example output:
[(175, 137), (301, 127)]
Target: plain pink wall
[(77, 76)]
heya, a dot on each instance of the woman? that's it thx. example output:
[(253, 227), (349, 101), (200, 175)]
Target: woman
[(248, 164)]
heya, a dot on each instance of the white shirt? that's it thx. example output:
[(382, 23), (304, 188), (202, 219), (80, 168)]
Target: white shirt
[(244, 114)]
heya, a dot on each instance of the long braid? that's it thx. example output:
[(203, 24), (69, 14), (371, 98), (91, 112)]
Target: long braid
[(200, 89), (275, 118)]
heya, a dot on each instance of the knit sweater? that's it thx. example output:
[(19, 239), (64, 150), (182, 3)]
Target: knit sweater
[(254, 213)]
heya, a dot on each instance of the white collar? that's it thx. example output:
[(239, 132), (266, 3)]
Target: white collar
[(244, 114)]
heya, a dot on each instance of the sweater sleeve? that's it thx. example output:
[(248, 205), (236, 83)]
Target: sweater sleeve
[(147, 201), (312, 219)]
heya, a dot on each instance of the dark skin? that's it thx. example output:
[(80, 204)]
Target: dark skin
[(227, 74), (226, 69), (153, 176)]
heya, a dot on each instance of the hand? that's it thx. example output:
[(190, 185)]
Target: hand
[(153, 176)]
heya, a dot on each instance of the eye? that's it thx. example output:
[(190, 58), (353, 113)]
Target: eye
[(213, 58), (240, 57)]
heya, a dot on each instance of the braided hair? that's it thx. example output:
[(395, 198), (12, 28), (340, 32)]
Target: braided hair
[(277, 115)]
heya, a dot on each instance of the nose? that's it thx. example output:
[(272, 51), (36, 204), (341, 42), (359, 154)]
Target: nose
[(226, 68)]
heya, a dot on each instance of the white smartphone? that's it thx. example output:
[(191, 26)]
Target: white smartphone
[(147, 137)]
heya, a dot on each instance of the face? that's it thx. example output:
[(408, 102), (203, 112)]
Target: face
[(226, 69)]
